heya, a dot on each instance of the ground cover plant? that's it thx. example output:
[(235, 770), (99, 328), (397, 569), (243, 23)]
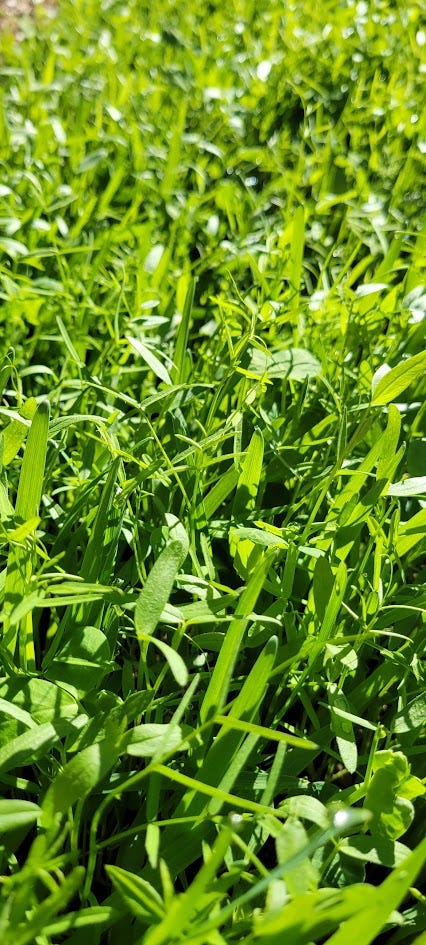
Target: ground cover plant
[(212, 474)]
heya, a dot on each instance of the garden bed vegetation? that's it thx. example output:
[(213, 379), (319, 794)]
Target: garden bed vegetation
[(212, 482)]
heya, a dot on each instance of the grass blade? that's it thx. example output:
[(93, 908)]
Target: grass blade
[(217, 690), (18, 638)]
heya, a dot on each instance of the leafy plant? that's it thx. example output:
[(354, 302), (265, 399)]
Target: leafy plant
[(212, 445)]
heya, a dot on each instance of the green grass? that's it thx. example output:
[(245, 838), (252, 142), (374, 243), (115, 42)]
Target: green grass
[(212, 477)]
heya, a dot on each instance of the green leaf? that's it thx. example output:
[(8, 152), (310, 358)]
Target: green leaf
[(182, 908), (32, 470), (259, 537), (151, 359), (379, 850), (13, 248), (175, 661), (389, 444), (218, 494), (363, 927), (343, 729), (139, 896), (79, 776), (322, 585), (413, 716), (411, 534), (291, 839), (296, 255), (158, 586), (294, 364), (17, 813), (407, 487), (248, 482), (307, 808), (43, 700), (19, 562), (217, 690), (152, 740), (82, 662), (36, 921), (14, 435), (32, 744), (396, 381), (182, 334), (386, 797)]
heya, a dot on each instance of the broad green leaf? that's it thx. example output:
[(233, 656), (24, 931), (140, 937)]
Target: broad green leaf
[(294, 364), (8, 708), (17, 813), (307, 808), (291, 839), (394, 762), (396, 381), (386, 796), (43, 700), (82, 662), (363, 927), (14, 435), (413, 716), (259, 537), (379, 850), (246, 554), (79, 776), (158, 586), (33, 744), (152, 740)]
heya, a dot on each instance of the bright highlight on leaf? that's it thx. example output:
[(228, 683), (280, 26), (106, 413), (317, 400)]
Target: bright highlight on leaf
[(395, 382)]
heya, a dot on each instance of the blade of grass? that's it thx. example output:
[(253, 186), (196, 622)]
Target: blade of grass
[(218, 688), (18, 639)]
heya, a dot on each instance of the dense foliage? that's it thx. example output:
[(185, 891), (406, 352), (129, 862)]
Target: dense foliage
[(212, 467)]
